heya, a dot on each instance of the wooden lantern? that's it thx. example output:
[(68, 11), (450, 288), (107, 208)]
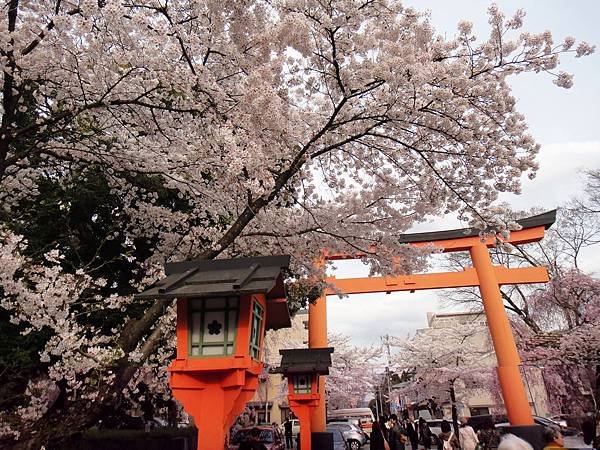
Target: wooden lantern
[(223, 309)]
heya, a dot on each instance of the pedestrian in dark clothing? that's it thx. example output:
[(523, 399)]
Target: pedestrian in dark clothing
[(424, 433), (489, 437), (254, 441), (378, 435), (397, 434), (287, 427), (413, 434), (588, 428)]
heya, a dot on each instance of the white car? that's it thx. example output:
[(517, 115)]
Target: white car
[(295, 427)]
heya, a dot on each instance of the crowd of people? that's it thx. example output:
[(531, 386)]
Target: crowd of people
[(394, 434), (389, 433)]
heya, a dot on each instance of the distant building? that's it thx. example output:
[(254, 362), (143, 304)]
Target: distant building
[(478, 401), (269, 403)]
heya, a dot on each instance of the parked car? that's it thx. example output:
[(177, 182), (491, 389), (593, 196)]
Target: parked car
[(364, 416), (435, 425), (355, 437), (561, 419), (566, 431), (339, 443), (270, 437), (295, 427)]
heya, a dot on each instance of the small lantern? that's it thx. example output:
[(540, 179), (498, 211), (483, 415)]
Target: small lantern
[(224, 308), (302, 367)]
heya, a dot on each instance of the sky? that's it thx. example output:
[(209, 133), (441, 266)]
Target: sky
[(564, 121)]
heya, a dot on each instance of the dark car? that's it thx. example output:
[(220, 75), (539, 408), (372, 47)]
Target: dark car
[(565, 431), (270, 437)]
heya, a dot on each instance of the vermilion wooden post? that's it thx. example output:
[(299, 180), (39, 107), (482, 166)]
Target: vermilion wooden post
[(317, 338), (513, 390), (304, 409)]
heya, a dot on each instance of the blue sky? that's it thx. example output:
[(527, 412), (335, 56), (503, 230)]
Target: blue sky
[(565, 122)]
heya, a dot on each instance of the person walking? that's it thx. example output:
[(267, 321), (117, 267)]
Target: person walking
[(488, 436), (512, 442), (287, 431), (447, 438), (424, 433), (397, 434), (588, 428), (413, 433), (379, 435), (554, 439), (466, 435)]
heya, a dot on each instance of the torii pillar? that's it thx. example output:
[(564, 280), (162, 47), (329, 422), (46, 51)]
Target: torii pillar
[(317, 338), (513, 390), (484, 275)]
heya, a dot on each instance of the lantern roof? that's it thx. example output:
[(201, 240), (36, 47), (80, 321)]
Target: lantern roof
[(225, 277), (305, 360)]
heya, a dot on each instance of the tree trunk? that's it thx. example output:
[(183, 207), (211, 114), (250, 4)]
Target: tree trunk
[(596, 394), (454, 411)]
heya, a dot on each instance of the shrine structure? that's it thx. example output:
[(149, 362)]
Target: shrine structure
[(224, 307), (303, 367), (483, 274)]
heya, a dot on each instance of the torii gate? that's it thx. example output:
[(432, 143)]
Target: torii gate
[(487, 277)]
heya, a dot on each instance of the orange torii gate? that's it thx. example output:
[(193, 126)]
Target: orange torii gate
[(483, 274)]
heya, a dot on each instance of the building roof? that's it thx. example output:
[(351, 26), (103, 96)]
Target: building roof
[(224, 277), (305, 360), (432, 317)]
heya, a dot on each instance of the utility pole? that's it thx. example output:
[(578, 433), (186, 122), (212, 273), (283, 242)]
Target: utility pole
[(386, 341)]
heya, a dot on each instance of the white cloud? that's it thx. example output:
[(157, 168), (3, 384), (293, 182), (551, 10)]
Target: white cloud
[(559, 176)]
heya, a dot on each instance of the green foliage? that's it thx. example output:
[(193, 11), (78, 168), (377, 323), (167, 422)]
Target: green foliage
[(76, 212), (19, 360)]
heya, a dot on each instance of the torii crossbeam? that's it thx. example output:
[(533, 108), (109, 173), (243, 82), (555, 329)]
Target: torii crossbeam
[(483, 274)]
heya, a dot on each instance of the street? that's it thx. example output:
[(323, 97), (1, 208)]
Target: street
[(571, 442)]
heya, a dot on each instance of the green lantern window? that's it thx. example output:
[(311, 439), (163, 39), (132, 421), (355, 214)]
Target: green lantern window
[(258, 314), (212, 326), (302, 384)]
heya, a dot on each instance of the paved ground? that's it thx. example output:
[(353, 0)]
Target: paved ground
[(570, 442), (574, 442)]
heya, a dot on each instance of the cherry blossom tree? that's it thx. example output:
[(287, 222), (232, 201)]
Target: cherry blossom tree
[(446, 363), (570, 352), (350, 378), (224, 129)]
